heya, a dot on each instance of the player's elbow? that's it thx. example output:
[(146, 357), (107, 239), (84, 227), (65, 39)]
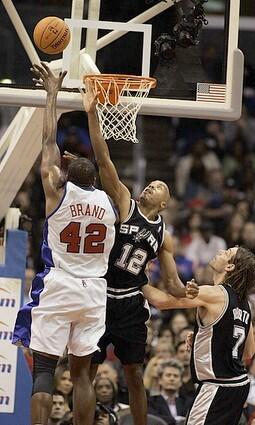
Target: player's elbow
[(102, 159)]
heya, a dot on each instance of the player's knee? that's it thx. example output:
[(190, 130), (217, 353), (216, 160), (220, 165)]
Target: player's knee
[(43, 373)]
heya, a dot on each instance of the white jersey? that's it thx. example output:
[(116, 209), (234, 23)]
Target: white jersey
[(80, 232)]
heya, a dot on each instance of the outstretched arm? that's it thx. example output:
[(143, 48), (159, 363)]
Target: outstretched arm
[(207, 295), (107, 171), (50, 162)]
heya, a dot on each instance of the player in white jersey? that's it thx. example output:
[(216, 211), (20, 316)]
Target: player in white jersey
[(69, 297)]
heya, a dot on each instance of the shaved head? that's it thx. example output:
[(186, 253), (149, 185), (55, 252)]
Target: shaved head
[(167, 192), (156, 194)]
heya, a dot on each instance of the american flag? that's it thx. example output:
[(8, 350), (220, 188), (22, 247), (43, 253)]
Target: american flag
[(211, 92)]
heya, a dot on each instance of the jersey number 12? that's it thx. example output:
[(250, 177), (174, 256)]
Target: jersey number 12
[(133, 263)]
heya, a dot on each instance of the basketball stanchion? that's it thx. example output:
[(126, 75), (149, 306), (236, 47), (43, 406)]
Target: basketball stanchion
[(120, 97)]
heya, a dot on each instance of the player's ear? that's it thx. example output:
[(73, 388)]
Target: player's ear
[(162, 205), (230, 267)]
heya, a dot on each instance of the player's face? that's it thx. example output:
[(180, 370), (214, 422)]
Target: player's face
[(155, 194), (222, 259)]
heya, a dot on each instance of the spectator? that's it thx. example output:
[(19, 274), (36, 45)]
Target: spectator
[(184, 333), (106, 370), (248, 236), (64, 384), (104, 416), (58, 408), (169, 405), (234, 230), (177, 323), (106, 394), (191, 169), (151, 376), (183, 356), (164, 350), (216, 209), (203, 249)]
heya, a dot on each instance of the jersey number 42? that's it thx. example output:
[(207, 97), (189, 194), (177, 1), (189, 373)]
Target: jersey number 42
[(93, 242)]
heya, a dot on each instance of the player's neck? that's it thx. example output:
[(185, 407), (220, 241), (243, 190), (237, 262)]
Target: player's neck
[(218, 277), (149, 213)]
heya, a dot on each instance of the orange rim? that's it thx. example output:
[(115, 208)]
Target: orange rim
[(134, 81)]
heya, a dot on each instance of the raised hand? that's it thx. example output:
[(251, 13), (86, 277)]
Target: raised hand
[(191, 289), (46, 78), (89, 97), (69, 156)]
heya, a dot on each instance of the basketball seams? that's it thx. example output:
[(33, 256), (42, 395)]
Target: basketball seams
[(42, 34), (52, 41)]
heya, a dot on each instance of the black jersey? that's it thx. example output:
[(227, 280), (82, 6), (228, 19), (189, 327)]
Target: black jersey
[(218, 348), (137, 241)]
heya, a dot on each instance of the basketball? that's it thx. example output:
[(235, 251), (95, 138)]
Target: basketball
[(51, 35)]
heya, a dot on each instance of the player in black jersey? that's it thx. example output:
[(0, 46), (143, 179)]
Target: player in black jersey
[(223, 337), (140, 237)]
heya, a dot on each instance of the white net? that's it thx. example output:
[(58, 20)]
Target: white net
[(119, 102)]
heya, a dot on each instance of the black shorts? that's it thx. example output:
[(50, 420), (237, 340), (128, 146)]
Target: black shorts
[(217, 405), (125, 329)]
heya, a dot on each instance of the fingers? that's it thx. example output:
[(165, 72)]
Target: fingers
[(62, 75), (82, 91), (43, 71), (39, 69), (192, 289), (38, 82), (90, 87), (69, 154)]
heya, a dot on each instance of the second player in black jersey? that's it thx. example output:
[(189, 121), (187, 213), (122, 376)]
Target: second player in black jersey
[(140, 237), (223, 337), (138, 242)]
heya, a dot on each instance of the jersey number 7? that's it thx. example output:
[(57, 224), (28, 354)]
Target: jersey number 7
[(93, 242)]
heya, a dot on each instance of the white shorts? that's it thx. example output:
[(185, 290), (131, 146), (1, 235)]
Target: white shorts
[(71, 312)]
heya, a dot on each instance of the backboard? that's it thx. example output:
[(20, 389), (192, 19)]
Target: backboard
[(142, 37)]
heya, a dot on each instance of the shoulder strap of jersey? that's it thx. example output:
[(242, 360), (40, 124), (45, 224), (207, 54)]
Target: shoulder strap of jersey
[(162, 232), (131, 210)]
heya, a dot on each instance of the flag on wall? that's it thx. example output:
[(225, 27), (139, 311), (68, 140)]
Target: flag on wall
[(211, 92)]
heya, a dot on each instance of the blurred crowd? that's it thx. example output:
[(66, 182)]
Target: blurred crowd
[(212, 207)]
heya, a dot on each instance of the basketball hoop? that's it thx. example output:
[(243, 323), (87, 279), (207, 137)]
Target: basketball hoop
[(119, 100)]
